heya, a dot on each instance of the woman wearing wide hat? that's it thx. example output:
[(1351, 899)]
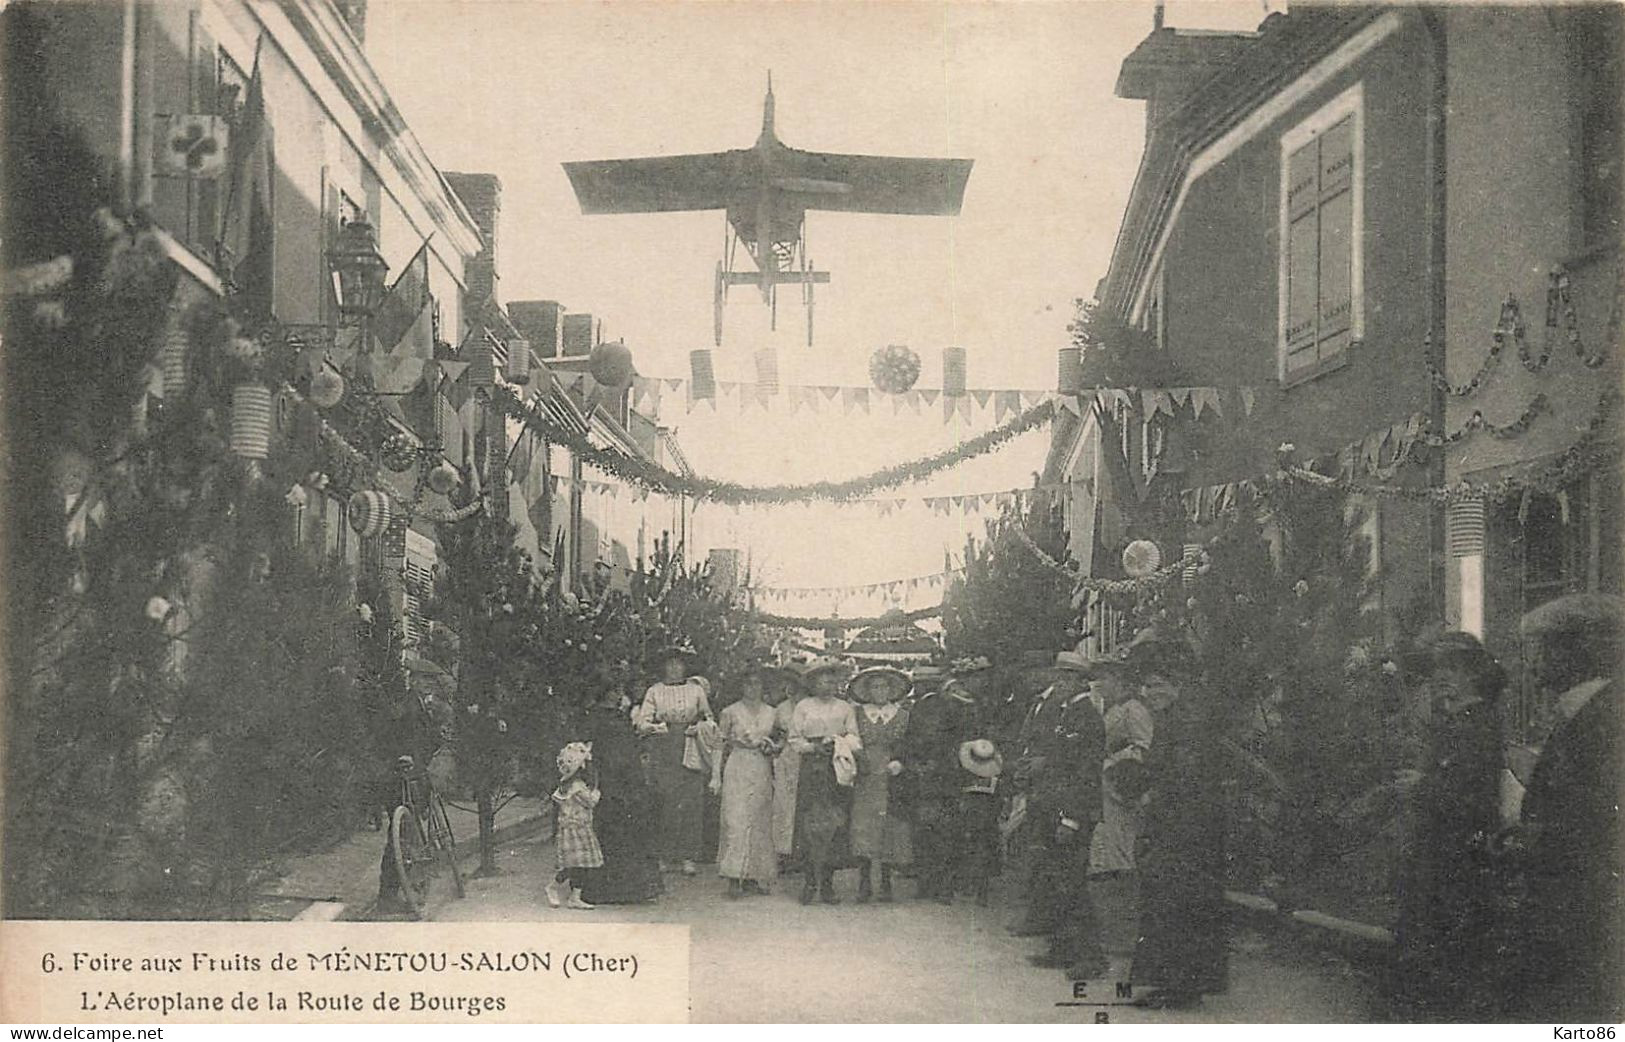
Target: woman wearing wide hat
[(880, 832), (742, 774), (628, 874), (824, 730), (1182, 952), (670, 718)]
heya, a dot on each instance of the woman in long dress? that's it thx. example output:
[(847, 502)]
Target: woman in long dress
[(880, 833), (790, 687), (671, 715), (821, 725), (743, 774), (627, 875), (1183, 950)]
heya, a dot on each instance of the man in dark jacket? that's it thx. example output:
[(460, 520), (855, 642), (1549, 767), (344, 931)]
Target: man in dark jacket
[(1569, 829), (1064, 806), (937, 725), (1035, 749)]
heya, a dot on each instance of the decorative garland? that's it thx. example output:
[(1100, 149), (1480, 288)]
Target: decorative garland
[(1092, 583), (1560, 310), (654, 478), (809, 623), (1476, 422)]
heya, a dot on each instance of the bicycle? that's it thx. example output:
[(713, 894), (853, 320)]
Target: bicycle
[(420, 833)]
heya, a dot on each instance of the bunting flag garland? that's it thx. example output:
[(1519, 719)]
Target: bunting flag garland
[(650, 477), (891, 587), (803, 622)]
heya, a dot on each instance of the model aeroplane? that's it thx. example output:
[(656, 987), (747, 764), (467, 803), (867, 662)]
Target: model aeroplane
[(766, 191)]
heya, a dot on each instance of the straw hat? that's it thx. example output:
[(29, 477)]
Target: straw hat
[(823, 664), (981, 757), (881, 671)]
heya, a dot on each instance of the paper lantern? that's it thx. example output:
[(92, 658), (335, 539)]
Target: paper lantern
[(481, 365), (1464, 527), (326, 389), (369, 513), (953, 371), (1141, 558), (702, 382), (444, 477), (894, 368), (251, 421), (1071, 370), (173, 361), (1192, 560), (767, 371), (517, 371), (611, 364)]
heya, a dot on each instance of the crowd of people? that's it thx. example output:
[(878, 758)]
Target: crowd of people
[(1103, 781)]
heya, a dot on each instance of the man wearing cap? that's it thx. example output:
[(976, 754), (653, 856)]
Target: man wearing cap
[(1064, 808), (1571, 965)]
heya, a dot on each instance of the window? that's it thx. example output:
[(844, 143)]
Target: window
[(1321, 282), (418, 580)]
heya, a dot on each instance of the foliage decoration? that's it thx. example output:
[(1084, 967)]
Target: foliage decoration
[(894, 368), (648, 476)]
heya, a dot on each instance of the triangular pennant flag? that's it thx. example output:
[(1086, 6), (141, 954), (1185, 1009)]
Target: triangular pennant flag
[(674, 384), (452, 371), (982, 398), (929, 397), (1008, 403), (830, 393), (397, 375), (1072, 404), (1248, 396)]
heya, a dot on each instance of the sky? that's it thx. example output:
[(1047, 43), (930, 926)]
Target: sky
[(1025, 90)]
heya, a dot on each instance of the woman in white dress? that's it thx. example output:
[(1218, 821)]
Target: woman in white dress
[(743, 774), (670, 719)]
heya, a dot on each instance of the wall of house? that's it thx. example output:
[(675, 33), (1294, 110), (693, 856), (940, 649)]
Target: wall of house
[(1222, 267)]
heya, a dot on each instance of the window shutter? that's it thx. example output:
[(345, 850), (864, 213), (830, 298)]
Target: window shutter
[(1301, 247), (1336, 237), (417, 573)]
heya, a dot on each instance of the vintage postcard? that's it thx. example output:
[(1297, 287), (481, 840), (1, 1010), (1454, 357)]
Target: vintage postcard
[(1079, 513)]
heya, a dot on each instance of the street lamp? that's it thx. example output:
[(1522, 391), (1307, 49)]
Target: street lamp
[(358, 271)]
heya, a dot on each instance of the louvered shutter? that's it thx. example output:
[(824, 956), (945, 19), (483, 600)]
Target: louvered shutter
[(417, 573), (1336, 238), (1302, 247)]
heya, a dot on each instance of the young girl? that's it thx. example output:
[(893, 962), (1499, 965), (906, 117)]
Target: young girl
[(575, 840)]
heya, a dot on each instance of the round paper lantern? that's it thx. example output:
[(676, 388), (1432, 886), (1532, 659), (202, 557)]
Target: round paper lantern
[(251, 421), (767, 371), (1141, 558), (702, 381), (1071, 370), (369, 513), (953, 371), (894, 368), (326, 389), (173, 362), (399, 453), (517, 370), (443, 478), (611, 364)]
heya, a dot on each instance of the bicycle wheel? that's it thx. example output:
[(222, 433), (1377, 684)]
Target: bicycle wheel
[(446, 841), (414, 860)]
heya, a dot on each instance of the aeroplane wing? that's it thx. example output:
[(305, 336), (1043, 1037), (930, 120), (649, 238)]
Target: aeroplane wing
[(662, 184), (874, 184)]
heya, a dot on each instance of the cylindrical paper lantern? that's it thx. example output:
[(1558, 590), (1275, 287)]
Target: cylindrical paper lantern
[(251, 421), (481, 365), (326, 389), (953, 371), (174, 361), (517, 371), (1192, 559), (1141, 558), (1071, 370), (702, 380), (1464, 527), (443, 478), (767, 371), (611, 364), (369, 513)]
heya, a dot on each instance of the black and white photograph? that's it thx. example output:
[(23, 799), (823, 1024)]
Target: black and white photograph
[(1096, 512)]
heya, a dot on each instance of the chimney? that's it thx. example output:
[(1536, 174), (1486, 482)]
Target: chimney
[(542, 322), (580, 335), (354, 13), (482, 196)]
